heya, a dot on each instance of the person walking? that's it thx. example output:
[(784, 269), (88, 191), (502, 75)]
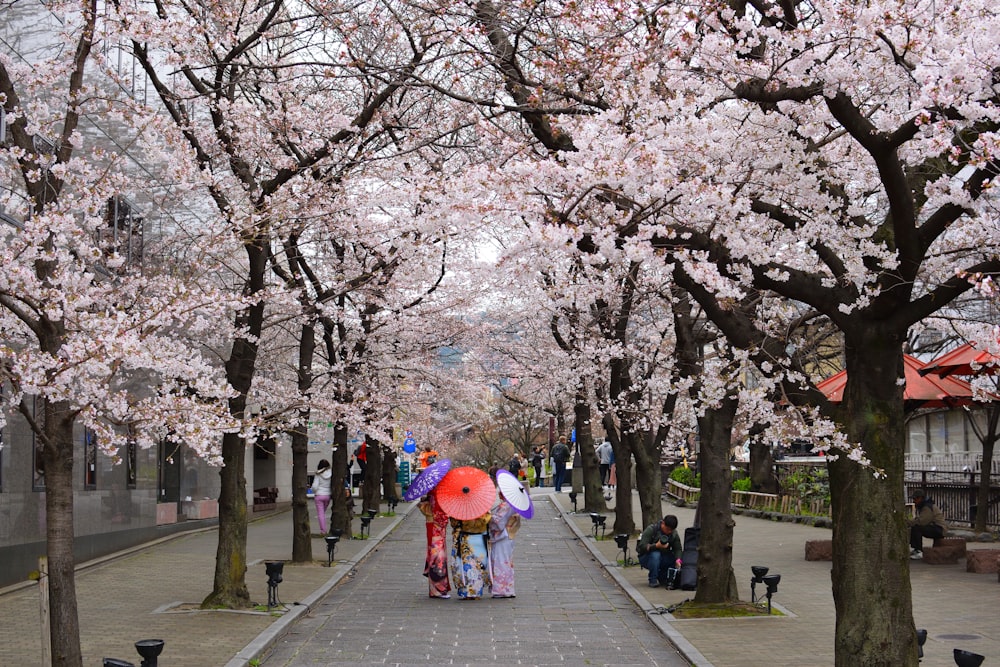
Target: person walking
[(560, 455), (436, 562), (604, 457), (470, 564), (321, 492), (504, 524)]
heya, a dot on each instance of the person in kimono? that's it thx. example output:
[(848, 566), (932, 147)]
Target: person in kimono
[(436, 563), (504, 523), (470, 563)]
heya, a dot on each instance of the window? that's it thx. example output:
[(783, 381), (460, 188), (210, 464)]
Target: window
[(89, 459), (123, 234), (37, 462)]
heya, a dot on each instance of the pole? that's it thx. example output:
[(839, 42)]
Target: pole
[(43, 609)]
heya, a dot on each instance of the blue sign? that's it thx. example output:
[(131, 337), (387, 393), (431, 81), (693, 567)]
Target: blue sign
[(409, 445)]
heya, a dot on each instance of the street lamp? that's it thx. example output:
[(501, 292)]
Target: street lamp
[(758, 578), (771, 581), (273, 568), (149, 650)]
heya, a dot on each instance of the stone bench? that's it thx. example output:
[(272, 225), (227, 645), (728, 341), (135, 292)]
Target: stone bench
[(819, 550), (982, 561), (956, 543)]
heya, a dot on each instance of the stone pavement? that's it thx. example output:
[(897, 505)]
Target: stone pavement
[(146, 593)]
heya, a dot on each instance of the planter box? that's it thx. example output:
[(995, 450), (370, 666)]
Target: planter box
[(166, 513), (200, 509)]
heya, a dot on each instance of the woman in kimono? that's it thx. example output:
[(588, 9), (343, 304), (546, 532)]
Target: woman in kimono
[(470, 563), (504, 523), (436, 563)]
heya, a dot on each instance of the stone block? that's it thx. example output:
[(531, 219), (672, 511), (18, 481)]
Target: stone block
[(819, 550), (166, 513), (955, 543), (940, 555), (982, 561)]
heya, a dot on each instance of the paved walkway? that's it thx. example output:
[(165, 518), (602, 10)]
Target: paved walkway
[(145, 593)]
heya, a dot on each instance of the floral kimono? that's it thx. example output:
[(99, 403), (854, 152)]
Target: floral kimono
[(436, 563), (470, 564)]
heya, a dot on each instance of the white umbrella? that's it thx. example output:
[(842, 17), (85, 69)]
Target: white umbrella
[(515, 493)]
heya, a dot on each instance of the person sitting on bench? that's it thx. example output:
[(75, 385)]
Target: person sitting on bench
[(927, 522)]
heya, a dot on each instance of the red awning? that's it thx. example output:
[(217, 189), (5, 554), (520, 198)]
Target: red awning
[(921, 391), (964, 360)]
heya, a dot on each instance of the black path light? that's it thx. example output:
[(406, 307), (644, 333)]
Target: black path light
[(366, 522), (331, 544), (621, 539), (758, 578), (149, 650), (965, 658), (921, 640), (572, 499), (599, 522), (273, 568), (771, 581), (112, 662), (393, 502)]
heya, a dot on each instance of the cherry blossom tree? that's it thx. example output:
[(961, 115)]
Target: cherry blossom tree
[(92, 337)]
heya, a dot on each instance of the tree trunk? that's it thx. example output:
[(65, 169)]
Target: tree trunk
[(389, 474), (622, 447), (716, 580), (871, 573), (371, 496), (301, 526), (648, 479), (229, 586), (593, 495), (983, 493), (57, 457), (230, 589), (340, 516), (762, 478)]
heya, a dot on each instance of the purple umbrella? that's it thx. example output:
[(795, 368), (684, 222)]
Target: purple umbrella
[(514, 493), (428, 478)]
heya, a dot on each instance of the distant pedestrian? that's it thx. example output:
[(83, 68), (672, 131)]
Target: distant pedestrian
[(537, 460), (427, 457), (470, 564), (604, 456), (928, 522), (436, 563), (560, 455), (321, 492)]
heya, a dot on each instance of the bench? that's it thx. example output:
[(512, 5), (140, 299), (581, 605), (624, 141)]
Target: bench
[(819, 550), (946, 551), (983, 561)]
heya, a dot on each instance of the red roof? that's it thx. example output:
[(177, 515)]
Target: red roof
[(964, 360), (921, 391)]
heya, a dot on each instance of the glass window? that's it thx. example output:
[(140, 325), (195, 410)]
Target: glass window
[(956, 431), (89, 459), (916, 431)]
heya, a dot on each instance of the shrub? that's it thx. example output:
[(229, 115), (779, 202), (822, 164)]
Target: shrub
[(742, 484), (686, 476)]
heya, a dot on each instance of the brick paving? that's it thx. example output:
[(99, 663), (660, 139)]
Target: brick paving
[(576, 604)]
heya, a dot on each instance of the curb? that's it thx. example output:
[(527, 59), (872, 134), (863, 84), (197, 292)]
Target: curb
[(263, 642), (656, 615)]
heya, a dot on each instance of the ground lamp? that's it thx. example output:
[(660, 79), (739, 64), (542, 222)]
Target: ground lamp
[(572, 499), (150, 650), (274, 568), (921, 639), (111, 662), (331, 544), (621, 540), (372, 514), (598, 521), (968, 658), (758, 578), (366, 522), (392, 504), (771, 581)]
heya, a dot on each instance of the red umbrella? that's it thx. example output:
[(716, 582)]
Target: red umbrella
[(961, 361), (920, 392), (466, 493)]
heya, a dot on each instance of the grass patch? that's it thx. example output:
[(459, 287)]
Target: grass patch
[(692, 609)]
